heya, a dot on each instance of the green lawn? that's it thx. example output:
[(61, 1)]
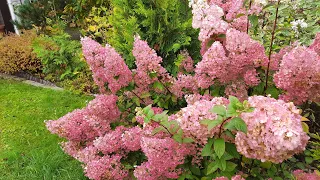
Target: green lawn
[(27, 149)]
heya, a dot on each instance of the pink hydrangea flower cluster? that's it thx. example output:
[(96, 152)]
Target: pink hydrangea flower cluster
[(299, 75), (88, 123), (148, 63), (184, 84), (107, 167), (164, 155), (237, 89), (236, 177), (208, 18), (189, 119), (234, 62), (301, 175), (107, 66), (274, 130)]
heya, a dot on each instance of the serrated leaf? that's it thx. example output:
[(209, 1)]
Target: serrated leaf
[(195, 170), (308, 160), (219, 147), (212, 167), (222, 164), (187, 140), (207, 149), (177, 137), (236, 124), (158, 129), (158, 85), (232, 150), (136, 101), (266, 165), (230, 166), (305, 127), (219, 109), (214, 123), (254, 20)]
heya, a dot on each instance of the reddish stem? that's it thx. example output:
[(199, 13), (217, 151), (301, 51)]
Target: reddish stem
[(271, 44)]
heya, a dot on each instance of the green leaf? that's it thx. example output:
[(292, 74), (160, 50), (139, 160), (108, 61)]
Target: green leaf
[(176, 47), (187, 140), (161, 117), (195, 170), (158, 85), (219, 109), (308, 160), (231, 111), (219, 147), (214, 123), (177, 137), (236, 124), (254, 20), (230, 166), (266, 165), (207, 150), (212, 167), (222, 164), (158, 129), (136, 100), (273, 91), (232, 150)]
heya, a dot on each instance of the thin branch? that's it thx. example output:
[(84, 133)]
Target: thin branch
[(164, 85), (271, 44), (138, 97), (220, 129), (248, 17)]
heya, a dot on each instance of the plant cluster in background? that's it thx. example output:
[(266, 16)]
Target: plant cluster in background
[(160, 23)]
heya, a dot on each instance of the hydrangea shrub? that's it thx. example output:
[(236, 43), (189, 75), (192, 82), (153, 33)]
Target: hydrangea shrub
[(148, 124)]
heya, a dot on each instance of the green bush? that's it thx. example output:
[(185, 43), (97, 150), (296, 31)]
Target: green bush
[(60, 56), (36, 12)]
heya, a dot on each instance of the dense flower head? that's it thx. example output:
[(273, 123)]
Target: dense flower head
[(107, 167), (234, 62), (184, 84), (131, 138), (301, 175), (107, 66), (164, 155), (208, 19), (110, 142), (104, 107), (299, 75), (73, 126), (190, 117), (274, 130), (149, 69), (237, 89), (87, 123)]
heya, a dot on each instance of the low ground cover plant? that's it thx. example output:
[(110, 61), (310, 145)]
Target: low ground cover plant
[(150, 124), (16, 54)]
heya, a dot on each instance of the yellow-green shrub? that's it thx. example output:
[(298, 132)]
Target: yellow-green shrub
[(16, 53)]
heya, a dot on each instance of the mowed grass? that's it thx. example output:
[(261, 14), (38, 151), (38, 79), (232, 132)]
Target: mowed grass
[(27, 149)]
